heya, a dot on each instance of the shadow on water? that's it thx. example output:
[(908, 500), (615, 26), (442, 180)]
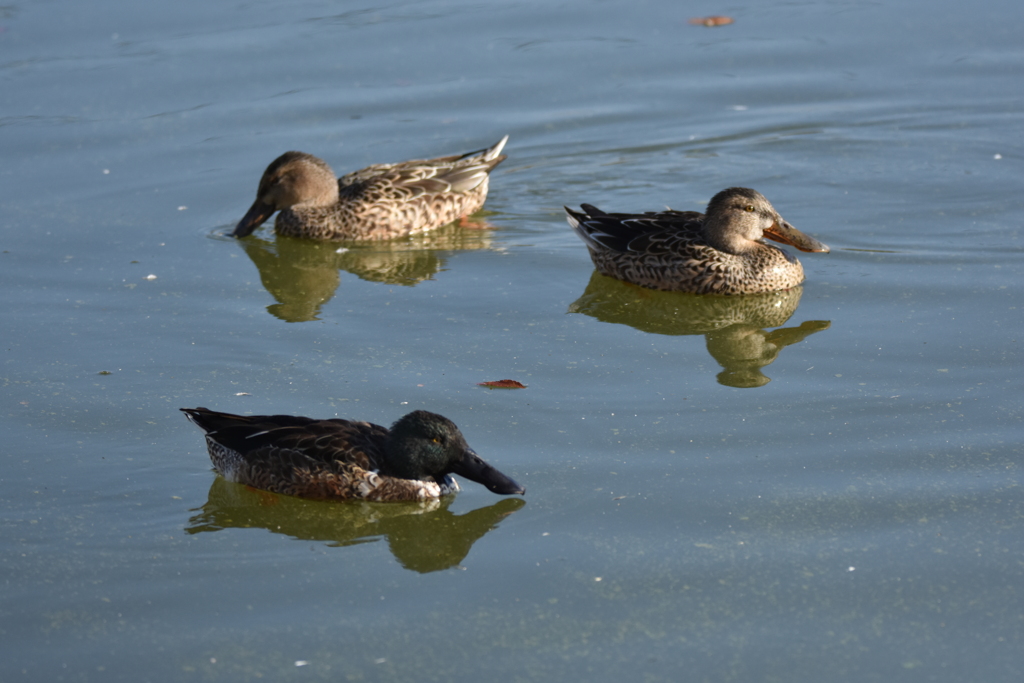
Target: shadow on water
[(733, 326), (423, 536), (302, 275)]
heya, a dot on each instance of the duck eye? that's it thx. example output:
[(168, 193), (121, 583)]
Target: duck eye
[(436, 439), (749, 208)]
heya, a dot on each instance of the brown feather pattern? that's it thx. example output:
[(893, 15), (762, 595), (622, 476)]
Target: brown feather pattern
[(383, 201), (344, 459), (721, 252), (307, 458)]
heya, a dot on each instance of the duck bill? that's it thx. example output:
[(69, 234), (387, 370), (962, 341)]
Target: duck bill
[(253, 219), (472, 467), (787, 234)]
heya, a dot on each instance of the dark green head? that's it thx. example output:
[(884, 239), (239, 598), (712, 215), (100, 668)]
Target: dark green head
[(424, 444)]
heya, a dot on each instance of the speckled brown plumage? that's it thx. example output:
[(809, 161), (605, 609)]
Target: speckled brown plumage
[(720, 252), (344, 459), (379, 202)]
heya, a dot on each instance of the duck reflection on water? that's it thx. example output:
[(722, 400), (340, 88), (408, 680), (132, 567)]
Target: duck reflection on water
[(733, 326), (423, 536), (302, 275)]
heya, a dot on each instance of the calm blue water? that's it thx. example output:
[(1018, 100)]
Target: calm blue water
[(820, 485)]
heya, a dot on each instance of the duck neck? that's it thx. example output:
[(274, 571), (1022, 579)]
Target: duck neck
[(731, 242)]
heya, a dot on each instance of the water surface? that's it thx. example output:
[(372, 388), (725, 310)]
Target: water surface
[(821, 485)]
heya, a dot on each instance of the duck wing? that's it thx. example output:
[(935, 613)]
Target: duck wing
[(652, 232), (260, 437), (408, 180)]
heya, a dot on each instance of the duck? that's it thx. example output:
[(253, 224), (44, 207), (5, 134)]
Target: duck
[(337, 459), (721, 251), (379, 202)]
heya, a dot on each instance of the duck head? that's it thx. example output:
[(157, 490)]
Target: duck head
[(737, 218), (292, 179), (424, 444)]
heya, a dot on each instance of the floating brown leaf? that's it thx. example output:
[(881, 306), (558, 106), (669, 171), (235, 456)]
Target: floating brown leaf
[(502, 384), (711, 21)]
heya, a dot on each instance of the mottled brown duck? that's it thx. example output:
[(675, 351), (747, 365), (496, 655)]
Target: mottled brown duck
[(343, 459), (379, 202), (721, 251)]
